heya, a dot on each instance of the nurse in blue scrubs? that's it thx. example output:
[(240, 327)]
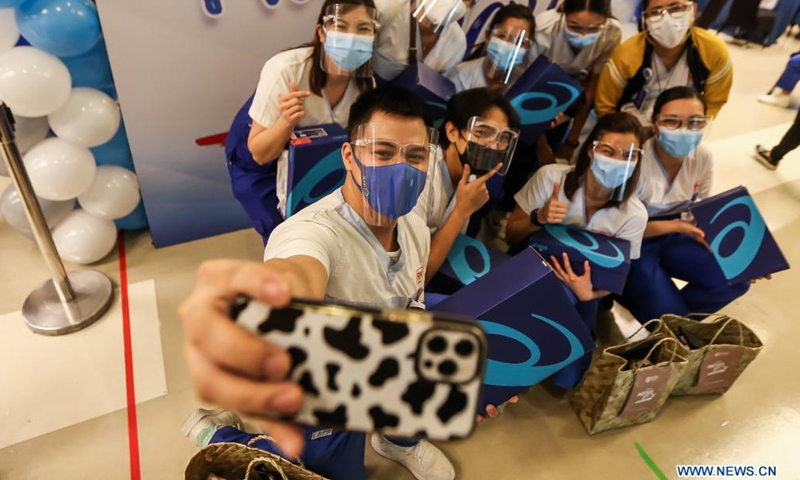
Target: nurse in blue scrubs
[(304, 86), (676, 171)]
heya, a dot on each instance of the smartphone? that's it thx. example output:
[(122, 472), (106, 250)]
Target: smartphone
[(404, 373)]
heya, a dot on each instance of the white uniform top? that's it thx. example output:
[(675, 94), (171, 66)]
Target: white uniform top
[(692, 183), (435, 211), (359, 269), (276, 77), (626, 222), (660, 79), (467, 75), (393, 43), (551, 41)]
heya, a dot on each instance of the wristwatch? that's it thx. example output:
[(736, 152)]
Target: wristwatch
[(535, 218)]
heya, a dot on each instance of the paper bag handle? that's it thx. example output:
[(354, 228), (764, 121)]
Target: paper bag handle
[(725, 325), (644, 325), (658, 343), (264, 460), (269, 439)]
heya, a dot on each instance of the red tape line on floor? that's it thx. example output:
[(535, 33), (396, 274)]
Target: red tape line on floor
[(130, 388)]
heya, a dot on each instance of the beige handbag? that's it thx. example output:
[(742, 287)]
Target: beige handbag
[(718, 351), (620, 389), (234, 461)]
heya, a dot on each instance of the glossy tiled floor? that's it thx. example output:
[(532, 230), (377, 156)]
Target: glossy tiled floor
[(67, 386)]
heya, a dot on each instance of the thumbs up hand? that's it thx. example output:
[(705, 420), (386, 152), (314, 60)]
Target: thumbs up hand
[(555, 210)]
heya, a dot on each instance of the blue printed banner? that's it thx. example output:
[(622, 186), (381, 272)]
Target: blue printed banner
[(532, 328), (609, 257), (430, 86), (540, 95), (315, 165), (739, 238), (469, 259)]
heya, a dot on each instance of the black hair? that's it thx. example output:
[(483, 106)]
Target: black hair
[(317, 77), (678, 93), (512, 10), (389, 99), (600, 7), (611, 123), (474, 103)]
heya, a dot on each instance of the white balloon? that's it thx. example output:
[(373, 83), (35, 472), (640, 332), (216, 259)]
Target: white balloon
[(33, 83), (60, 170), (27, 132), (89, 118), (82, 238), (9, 33), (113, 194), (14, 211)]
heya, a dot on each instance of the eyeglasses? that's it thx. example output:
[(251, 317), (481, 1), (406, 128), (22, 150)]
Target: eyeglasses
[(339, 24), (674, 11), (377, 152), (585, 29), (520, 38), (492, 136), (610, 151), (695, 123)]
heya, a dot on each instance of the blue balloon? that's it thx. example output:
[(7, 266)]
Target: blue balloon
[(116, 151), (65, 28), (11, 3), (91, 69), (137, 220)]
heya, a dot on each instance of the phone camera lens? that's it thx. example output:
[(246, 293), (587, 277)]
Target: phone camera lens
[(447, 368), (464, 348), (437, 344)]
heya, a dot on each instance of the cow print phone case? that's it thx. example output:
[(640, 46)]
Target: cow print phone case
[(406, 373)]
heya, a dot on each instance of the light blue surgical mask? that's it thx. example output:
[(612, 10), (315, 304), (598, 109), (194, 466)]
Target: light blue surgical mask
[(504, 55), (611, 173), (348, 50), (679, 143), (581, 41)]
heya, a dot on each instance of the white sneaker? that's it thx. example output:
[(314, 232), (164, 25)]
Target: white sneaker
[(202, 424), (777, 98), (423, 460)]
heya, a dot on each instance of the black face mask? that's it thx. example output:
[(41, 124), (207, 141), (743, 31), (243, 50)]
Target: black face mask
[(479, 158)]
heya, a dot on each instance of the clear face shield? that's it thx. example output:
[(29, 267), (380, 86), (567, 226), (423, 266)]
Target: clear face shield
[(613, 168), (436, 15), (393, 169), (350, 38), (487, 146), (507, 53)]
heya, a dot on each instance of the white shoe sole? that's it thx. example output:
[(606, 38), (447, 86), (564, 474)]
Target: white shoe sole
[(762, 161), (770, 100), (196, 417)]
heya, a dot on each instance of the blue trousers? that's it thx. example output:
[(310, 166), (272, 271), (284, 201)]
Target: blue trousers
[(338, 456), (650, 293), (569, 376), (791, 75)]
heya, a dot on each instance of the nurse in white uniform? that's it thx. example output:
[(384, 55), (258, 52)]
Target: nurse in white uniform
[(499, 62), (596, 195), (579, 36), (440, 42), (301, 87), (676, 171)]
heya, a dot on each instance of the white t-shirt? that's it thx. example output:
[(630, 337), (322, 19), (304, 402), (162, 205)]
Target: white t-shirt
[(660, 79), (467, 75), (551, 41), (393, 44), (662, 198), (276, 77), (360, 271), (626, 222), (436, 210)]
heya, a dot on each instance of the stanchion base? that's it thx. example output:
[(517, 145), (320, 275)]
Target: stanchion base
[(46, 314)]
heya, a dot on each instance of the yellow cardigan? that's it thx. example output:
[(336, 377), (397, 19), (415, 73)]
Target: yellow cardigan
[(627, 60)]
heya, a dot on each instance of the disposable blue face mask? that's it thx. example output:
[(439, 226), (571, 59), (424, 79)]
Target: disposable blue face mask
[(392, 190), (348, 50), (501, 53), (611, 173), (679, 143), (581, 41)]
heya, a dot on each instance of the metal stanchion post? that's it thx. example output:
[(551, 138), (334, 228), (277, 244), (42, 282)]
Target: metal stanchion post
[(66, 303)]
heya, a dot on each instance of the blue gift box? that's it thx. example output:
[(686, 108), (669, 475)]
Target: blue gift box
[(469, 259), (540, 95), (739, 238), (532, 328), (429, 85), (609, 257), (315, 167)]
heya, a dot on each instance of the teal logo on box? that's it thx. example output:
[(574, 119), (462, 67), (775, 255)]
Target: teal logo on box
[(315, 167)]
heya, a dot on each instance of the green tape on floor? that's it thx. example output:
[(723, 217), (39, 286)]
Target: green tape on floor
[(650, 463)]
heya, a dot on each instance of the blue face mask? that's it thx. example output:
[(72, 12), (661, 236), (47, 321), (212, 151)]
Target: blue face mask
[(611, 173), (679, 143), (581, 41), (348, 50), (392, 190), (501, 53)]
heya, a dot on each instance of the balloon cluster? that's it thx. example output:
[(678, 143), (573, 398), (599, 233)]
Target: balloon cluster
[(56, 78)]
